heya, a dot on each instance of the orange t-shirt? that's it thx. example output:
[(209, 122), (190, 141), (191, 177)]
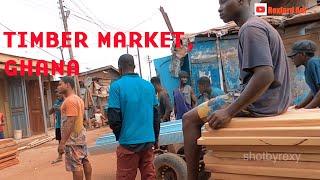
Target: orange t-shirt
[(73, 106)]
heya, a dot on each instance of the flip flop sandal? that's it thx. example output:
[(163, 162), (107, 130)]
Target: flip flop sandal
[(56, 161)]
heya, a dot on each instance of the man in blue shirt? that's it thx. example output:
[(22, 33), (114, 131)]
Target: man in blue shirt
[(56, 109), (303, 53), (206, 90), (133, 117)]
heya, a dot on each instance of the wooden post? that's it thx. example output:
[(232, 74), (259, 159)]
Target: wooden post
[(26, 105), (49, 100), (43, 106), (65, 25)]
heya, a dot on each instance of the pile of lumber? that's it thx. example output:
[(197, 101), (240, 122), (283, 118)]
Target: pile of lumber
[(8, 153), (281, 147), (36, 143)]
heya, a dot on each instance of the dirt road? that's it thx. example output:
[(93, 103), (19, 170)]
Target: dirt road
[(35, 164)]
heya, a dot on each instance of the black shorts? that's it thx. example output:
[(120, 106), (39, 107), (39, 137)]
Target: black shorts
[(58, 134)]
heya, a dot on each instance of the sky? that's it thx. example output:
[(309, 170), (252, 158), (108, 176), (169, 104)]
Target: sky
[(111, 16)]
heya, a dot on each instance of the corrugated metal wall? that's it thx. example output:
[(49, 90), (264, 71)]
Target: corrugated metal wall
[(205, 61), (167, 80), (17, 106)]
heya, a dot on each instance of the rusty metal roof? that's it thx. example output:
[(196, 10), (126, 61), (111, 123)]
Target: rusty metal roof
[(313, 14), (99, 70)]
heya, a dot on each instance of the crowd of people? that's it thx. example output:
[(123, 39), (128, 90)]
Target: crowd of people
[(135, 109)]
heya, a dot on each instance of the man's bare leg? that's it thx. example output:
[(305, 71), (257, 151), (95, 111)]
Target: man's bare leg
[(59, 158), (87, 170), (191, 132), (77, 175)]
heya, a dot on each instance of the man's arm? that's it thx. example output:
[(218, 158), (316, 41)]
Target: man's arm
[(114, 110), (168, 108), (174, 105), (306, 101), (260, 81), (315, 102), (315, 74), (51, 111), (115, 121), (193, 99), (156, 125), (67, 127)]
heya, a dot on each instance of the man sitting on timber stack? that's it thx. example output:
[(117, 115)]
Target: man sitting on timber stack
[(264, 75)]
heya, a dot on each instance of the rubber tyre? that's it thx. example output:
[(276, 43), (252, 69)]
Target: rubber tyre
[(174, 162)]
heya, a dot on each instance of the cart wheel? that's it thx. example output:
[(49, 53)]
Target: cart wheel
[(170, 167)]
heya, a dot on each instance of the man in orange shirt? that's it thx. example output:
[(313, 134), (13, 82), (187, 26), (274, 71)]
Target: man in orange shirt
[(73, 141)]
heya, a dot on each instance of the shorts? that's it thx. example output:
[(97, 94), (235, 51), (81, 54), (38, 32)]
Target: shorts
[(99, 121), (76, 156), (58, 134), (209, 107)]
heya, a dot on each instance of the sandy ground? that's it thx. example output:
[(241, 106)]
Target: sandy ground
[(35, 164)]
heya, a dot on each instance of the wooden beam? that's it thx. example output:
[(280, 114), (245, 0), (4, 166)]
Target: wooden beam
[(313, 131), (8, 149), (9, 144), (260, 141), (242, 155), (265, 171), (224, 176), (8, 153), (292, 118), (259, 123), (8, 158), (5, 141), (270, 149), (9, 163), (211, 159)]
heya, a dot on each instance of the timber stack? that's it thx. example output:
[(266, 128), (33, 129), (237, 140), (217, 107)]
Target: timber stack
[(280, 147), (8, 153)]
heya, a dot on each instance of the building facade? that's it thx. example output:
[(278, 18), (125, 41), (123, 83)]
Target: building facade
[(25, 100)]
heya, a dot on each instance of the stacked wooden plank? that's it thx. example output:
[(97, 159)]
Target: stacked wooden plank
[(8, 153), (281, 147)]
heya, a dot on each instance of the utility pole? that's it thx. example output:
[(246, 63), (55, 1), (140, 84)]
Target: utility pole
[(65, 25), (167, 20), (61, 51), (139, 61), (149, 62)]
